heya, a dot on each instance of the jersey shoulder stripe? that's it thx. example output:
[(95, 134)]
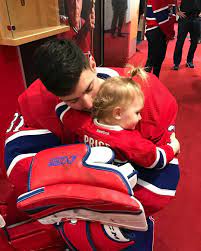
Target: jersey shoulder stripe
[(104, 72), (61, 108)]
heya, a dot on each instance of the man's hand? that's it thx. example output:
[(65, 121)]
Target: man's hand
[(92, 18), (181, 14)]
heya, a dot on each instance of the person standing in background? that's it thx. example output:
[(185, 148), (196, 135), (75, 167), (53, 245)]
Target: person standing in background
[(80, 28), (119, 10), (141, 9), (159, 30), (188, 12), (199, 40)]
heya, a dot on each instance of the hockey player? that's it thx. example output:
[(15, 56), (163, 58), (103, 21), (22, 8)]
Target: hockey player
[(80, 29), (159, 30), (70, 76)]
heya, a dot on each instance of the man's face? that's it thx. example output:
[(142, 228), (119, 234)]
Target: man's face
[(85, 92)]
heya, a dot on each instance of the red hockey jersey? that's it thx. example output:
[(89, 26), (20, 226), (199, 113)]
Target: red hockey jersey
[(161, 15), (128, 145), (159, 112)]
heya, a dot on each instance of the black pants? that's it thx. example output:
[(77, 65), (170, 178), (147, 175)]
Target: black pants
[(185, 25), (157, 47), (141, 9), (119, 11)]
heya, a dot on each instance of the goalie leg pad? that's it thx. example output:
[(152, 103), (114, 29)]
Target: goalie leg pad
[(94, 236), (64, 183), (103, 205), (72, 164)]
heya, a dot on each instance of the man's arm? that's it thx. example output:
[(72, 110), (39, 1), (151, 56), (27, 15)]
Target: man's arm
[(33, 128), (21, 145), (156, 188)]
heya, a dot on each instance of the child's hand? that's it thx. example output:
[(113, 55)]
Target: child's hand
[(174, 143), (172, 136)]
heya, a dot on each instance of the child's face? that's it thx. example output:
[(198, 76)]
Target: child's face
[(130, 116)]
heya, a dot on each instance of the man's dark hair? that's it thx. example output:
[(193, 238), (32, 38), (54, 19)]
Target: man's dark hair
[(59, 64)]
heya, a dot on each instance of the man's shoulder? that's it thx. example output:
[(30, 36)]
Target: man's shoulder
[(36, 94), (37, 106), (36, 91)]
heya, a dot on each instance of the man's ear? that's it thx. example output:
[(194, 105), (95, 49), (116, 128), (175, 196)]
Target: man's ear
[(117, 111), (92, 63)]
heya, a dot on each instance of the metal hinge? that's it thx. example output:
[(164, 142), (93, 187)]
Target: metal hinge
[(11, 27), (22, 2)]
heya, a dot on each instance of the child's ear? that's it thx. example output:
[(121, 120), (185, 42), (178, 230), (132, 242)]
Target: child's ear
[(117, 111)]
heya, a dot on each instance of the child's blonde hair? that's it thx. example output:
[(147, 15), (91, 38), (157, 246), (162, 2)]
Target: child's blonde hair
[(117, 91)]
